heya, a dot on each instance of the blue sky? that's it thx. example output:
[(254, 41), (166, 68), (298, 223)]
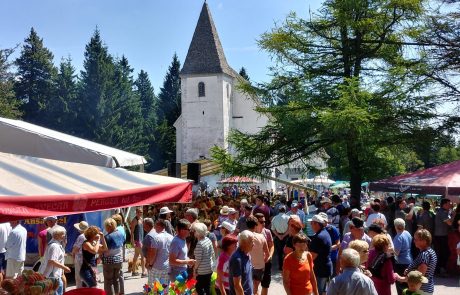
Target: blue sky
[(148, 32)]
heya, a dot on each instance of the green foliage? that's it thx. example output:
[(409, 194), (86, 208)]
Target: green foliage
[(347, 80), (244, 74), (60, 112), (9, 105), (169, 109), (36, 74)]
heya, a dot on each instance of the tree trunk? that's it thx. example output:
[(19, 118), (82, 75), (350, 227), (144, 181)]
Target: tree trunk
[(355, 174)]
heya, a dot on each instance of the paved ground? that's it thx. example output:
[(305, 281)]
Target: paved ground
[(134, 285)]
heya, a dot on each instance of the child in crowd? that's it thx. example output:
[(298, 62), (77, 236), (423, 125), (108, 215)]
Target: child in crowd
[(414, 281)]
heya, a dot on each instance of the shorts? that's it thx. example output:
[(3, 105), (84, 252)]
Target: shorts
[(257, 274), (14, 268), (2, 262), (267, 277)]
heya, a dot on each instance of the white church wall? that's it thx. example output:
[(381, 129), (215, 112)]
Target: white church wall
[(244, 116), (202, 117)]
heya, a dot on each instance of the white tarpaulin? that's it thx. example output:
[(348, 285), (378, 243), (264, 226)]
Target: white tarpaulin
[(22, 138), (36, 187)]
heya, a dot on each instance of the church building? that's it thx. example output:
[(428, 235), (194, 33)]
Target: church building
[(212, 104)]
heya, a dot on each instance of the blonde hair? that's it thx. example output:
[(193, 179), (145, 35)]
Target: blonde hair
[(110, 223), (425, 235), (359, 245), (380, 241)]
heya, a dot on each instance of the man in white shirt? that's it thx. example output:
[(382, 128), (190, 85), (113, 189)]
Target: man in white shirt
[(375, 215), (5, 229), (279, 228), (15, 250), (76, 251)]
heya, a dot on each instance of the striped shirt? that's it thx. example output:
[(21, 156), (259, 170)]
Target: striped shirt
[(204, 254), (429, 258)]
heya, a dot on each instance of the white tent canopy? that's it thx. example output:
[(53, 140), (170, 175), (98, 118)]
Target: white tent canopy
[(36, 187), (22, 138)]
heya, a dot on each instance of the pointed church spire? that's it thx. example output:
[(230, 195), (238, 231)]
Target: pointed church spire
[(205, 54)]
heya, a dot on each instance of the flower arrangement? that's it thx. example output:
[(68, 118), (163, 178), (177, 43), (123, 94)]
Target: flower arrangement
[(181, 286)]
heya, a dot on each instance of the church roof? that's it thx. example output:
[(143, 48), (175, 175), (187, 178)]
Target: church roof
[(205, 54)]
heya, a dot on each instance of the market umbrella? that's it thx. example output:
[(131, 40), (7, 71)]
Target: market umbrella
[(440, 180)]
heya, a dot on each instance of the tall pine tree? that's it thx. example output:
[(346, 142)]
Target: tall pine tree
[(9, 105), (149, 105), (96, 80), (35, 83), (121, 123), (169, 109), (61, 110)]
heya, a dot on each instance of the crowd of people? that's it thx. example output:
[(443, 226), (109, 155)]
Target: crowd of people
[(321, 245)]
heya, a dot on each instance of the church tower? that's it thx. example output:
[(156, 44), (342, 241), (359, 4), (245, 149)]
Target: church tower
[(211, 106)]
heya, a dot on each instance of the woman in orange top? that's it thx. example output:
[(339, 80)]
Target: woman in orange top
[(298, 275)]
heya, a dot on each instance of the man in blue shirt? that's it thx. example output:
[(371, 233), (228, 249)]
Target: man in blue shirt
[(240, 267), (320, 249)]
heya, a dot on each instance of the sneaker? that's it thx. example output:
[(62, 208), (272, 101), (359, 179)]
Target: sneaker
[(143, 275), (134, 274)]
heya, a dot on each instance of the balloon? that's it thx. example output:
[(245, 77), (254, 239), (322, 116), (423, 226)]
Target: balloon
[(180, 279)]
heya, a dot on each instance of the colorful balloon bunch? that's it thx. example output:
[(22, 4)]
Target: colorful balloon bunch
[(181, 286)]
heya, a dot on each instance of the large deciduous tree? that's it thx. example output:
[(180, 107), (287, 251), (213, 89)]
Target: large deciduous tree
[(35, 85), (347, 79)]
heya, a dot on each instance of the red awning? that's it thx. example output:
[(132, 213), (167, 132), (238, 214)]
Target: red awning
[(34, 187), (440, 180)]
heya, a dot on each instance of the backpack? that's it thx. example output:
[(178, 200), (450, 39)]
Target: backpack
[(377, 264)]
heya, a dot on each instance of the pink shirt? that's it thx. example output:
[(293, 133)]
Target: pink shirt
[(257, 252), (223, 265), (42, 240)]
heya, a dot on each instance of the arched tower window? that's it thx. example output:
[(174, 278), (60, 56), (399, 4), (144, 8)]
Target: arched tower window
[(201, 89)]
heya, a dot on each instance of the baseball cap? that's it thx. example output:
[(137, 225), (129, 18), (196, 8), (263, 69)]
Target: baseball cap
[(228, 226), (416, 277), (294, 204), (50, 218), (318, 218)]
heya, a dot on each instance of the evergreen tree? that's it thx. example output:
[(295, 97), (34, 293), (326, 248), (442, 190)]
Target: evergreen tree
[(96, 80), (36, 72), (243, 74), (61, 110), (121, 121), (169, 109), (9, 105), (149, 103)]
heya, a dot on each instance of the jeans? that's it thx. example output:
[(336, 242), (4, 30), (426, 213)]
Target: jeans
[(87, 277), (203, 284), (121, 279), (111, 278), (60, 289), (321, 283)]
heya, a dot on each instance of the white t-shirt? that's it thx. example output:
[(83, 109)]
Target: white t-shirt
[(55, 252), (5, 229), (78, 243), (373, 216), (16, 244)]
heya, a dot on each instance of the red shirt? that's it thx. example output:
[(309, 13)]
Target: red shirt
[(299, 274)]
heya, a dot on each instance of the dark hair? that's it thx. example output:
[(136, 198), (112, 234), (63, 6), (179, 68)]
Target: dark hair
[(390, 200), (444, 201), (336, 199), (299, 238), (160, 222), (183, 224), (375, 207), (377, 200), (259, 215), (227, 241), (426, 205), (252, 222)]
